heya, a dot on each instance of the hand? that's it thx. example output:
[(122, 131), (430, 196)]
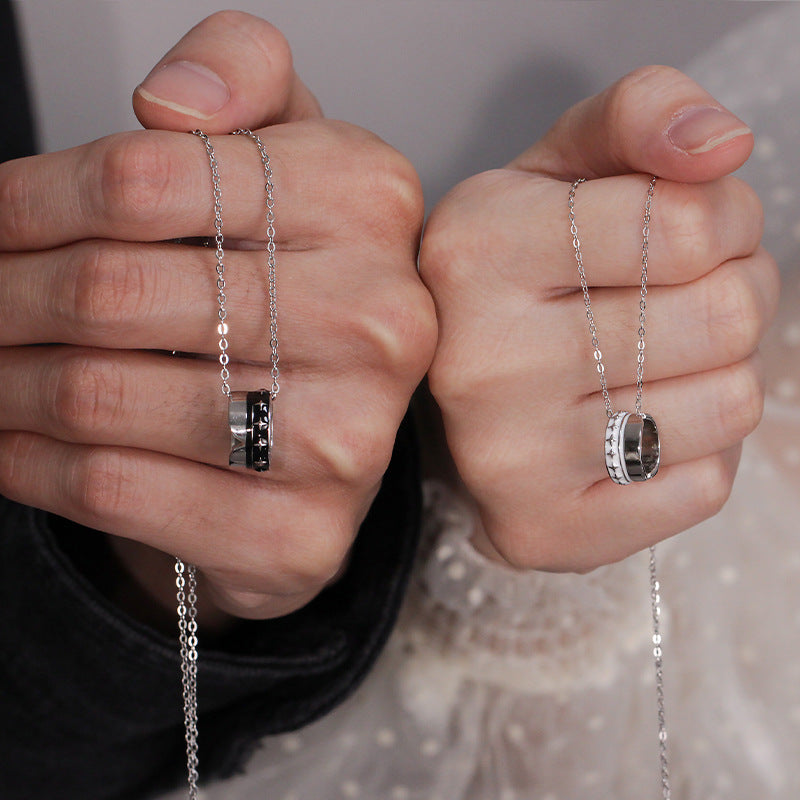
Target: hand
[(103, 426), (514, 373)]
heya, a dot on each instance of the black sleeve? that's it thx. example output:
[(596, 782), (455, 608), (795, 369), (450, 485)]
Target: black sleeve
[(16, 124), (90, 700)]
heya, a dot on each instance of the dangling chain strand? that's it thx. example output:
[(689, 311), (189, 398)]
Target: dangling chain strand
[(598, 355), (658, 655), (655, 587), (186, 582), (643, 297), (576, 243), (222, 328), (186, 574), (269, 189)]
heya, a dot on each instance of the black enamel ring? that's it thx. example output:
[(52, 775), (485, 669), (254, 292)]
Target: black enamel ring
[(250, 420)]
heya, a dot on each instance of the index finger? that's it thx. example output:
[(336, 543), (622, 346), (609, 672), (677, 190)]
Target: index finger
[(694, 229), (156, 185)]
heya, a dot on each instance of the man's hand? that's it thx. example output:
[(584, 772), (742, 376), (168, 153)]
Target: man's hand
[(103, 426)]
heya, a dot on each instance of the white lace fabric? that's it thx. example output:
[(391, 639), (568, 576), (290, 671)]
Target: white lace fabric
[(481, 697), (535, 632)]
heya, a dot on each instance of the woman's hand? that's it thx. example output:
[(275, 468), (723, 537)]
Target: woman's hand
[(514, 372), (103, 426)]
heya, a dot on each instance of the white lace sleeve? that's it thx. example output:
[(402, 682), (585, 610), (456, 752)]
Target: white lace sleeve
[(537, 632)]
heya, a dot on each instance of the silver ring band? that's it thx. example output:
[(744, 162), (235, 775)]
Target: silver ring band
[(250, 420), (633, 450)]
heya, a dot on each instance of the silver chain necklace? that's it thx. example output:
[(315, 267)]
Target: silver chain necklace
[(269, 190), (632, 448), (250, 420), (186, 582)]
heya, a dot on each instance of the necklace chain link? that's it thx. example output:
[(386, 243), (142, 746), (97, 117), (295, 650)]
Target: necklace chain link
[(655, 587), (658, 659), (222, 327), (598, 355), (648, 204), (186, 580), (269, 189), (222, 313)]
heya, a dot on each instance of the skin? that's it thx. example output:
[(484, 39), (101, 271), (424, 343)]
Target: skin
[(514, 372), (91, 430), (103, 426)]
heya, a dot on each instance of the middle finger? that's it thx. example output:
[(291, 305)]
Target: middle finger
[(707, 324), (161, 296), (712, 322)]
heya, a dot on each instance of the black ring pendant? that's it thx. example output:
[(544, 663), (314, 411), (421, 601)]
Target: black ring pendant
[(250, 420)]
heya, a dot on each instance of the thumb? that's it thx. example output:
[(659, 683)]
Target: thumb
[(231, 70), (655, 120)]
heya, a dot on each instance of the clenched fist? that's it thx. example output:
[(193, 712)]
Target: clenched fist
[(514, 373), (101, 424)]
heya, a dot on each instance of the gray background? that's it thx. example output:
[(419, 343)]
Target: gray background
[(459, 86)]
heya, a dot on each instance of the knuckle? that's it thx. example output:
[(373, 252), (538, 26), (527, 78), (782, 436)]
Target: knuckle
[(516, 551), (398, 193), (442, 251), (689, 222), (397, 333), (752, 209), (768, 278), (15, 456), (331, 552), (317, 558), (245, 603), (742, 399), (624, 98), (15, 202), (455, 378), (358, 452), (390, 201), (454, 247), (99, 486), (87, 395), (108, 288), (255, 604), (715, 485), (134, 171), (521, 550), (735, 313), (588, 567), (449, 387)]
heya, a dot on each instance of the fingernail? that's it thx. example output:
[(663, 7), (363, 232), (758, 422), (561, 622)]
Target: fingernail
[(702, 128), (186, 87)]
